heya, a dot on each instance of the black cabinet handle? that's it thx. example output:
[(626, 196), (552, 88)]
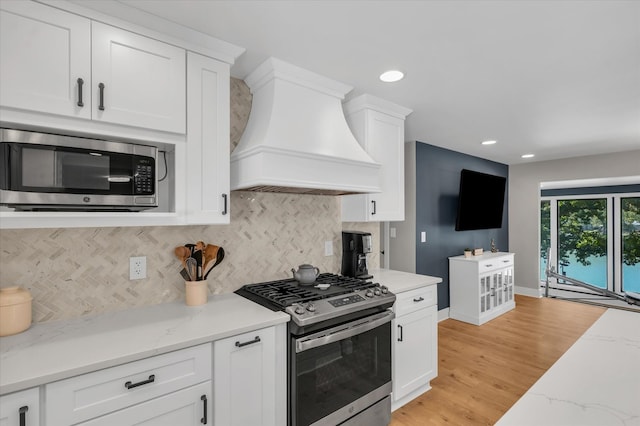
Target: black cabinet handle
[(80, 83), (250, 342), (400, 329), (151, 379), (224, 210), (101, 106), (203, 420), (23, 415), (374, 207), (419, 299)]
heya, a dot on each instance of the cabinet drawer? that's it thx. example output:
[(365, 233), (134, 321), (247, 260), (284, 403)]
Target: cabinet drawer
[(412, 300), (495, 263), (90, 395)]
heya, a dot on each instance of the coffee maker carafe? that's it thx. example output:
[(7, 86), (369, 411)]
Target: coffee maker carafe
[(355, 247)]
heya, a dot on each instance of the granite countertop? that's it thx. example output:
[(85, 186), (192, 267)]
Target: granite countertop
[(398, 281), (596, 382), (61, 349)]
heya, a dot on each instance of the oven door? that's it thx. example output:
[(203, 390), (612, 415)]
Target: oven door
[(338, 372)]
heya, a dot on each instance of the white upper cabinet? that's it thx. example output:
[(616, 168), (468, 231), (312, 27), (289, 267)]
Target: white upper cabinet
[(378, 126), (59, 63), (207, 141), (44, 54), (137, 81)]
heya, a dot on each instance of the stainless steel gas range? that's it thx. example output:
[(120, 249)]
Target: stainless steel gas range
[(339, 350)]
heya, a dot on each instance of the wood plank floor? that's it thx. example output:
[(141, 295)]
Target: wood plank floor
[(483, 371)]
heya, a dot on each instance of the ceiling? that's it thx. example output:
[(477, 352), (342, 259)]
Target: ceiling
[(556, 79)]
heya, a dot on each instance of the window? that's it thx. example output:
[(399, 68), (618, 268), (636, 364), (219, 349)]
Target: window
[(594, 238)]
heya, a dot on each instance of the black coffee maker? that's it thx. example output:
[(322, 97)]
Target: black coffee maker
[(355, 247)]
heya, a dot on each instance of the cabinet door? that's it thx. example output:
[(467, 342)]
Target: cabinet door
[(386, 146), (187, 407), (43, 53), (143, 80), (415, 351), (245, 379), (207, 141), (20, 408), (486, 293)]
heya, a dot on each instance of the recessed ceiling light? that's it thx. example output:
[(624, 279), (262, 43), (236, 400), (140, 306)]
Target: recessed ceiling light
[(528, 155), (391, 76), (489, 142)]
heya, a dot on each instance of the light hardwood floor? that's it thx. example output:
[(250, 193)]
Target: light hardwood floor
[(484, 370)]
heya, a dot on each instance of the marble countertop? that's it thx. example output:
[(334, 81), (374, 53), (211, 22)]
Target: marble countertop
[(596, 382), (398, 281), (57, 350)]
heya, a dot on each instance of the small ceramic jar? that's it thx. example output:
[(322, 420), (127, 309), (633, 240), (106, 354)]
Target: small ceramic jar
[(196, 292), (15, 310)]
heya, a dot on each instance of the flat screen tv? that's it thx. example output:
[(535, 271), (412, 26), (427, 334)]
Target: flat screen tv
[(480, 201)]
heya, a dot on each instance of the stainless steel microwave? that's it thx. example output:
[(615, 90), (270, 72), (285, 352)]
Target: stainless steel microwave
[(42, 171)]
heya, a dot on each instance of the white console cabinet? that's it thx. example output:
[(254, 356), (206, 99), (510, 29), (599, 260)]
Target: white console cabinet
[(481, 288)]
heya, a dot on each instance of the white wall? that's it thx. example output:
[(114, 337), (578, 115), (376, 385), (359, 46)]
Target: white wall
[(402, 248), (524, 201)]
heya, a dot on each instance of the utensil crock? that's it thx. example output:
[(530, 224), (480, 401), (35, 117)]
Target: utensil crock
[(196, 292)]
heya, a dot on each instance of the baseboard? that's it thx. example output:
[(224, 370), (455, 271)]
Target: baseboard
[(443, 314), (531, 292)]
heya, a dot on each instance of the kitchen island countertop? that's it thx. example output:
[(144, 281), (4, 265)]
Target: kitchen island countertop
[(596, 382), (398, 281), (61, 349)]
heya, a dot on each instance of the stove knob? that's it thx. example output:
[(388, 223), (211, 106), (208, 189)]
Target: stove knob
[(384, 290), (376, 292), (311, 307), (299, 310), (369, 293)]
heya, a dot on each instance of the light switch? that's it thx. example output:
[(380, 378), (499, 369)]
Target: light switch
[(392, 232), (423, 236)]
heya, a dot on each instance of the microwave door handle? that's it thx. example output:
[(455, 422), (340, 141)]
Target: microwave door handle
[(119, 179), (340, 333)]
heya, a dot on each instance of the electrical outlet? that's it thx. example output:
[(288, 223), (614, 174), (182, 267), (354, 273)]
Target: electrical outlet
[(137, 267), (328, 248)]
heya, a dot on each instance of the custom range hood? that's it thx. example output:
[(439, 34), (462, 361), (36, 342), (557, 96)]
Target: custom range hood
[(297, 139)]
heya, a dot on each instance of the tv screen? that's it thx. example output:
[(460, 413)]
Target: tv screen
[(480, 201)]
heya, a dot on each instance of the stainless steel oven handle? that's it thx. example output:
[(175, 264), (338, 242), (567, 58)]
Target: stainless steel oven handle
[(342, 331)]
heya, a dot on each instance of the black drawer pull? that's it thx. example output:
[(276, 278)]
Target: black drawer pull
[(101, 106), (419, 299), (80, 83), (130, 385), (23, 415), (250, 342), (400, 336), (203, 420), (374, 207), (224, 211)]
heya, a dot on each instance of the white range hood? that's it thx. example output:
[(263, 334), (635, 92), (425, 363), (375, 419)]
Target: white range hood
[(297, 139)]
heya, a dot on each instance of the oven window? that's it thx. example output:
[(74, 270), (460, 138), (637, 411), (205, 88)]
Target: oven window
[(329, 377)]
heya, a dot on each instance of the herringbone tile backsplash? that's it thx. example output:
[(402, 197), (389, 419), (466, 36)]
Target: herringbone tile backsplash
[(79, 271)]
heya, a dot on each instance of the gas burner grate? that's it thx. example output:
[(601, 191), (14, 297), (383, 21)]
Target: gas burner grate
[(284, 293)]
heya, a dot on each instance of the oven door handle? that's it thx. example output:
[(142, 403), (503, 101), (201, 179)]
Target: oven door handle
[(343, 331)]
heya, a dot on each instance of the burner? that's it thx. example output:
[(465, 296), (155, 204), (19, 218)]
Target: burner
[(284, 293)]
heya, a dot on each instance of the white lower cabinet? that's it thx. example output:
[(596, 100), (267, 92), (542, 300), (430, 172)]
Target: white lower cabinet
[(415, 344), (186, 407), (20, 408), (128, 392), (250, 379)]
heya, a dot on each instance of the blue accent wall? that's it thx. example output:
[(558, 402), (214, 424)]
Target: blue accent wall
[(437, 185)]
